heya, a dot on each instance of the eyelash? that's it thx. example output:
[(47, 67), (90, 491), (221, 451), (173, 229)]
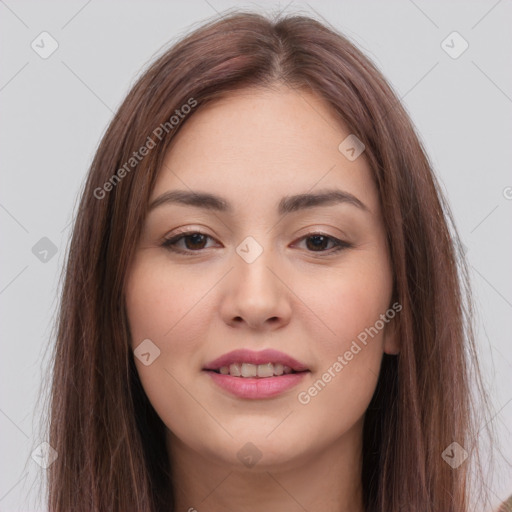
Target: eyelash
[(169, 243)]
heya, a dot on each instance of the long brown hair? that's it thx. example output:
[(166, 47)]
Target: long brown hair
[(109, 440)]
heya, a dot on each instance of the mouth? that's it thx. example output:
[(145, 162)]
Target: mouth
[(259, 371), (250, 364), (256, 375)]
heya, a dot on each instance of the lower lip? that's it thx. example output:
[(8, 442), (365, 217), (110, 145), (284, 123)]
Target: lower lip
[(255, 388)]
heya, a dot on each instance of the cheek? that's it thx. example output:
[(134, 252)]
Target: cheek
[(160, 304), (171, 310), (348, 300), (350, 347)]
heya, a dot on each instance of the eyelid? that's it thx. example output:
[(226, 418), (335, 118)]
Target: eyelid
[(339, 244), (169, 241), (179, 235)]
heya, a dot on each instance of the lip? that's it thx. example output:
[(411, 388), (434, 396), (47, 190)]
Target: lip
[(261, 357), (256, 388)]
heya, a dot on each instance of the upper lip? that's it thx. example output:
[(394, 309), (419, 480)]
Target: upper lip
[(261, 357)]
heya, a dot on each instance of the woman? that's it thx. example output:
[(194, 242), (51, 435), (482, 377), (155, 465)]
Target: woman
[(265, 306)]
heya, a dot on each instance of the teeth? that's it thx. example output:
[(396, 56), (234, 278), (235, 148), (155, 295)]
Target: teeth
[(265, 370), (249, 370), (235, 369), (278, 369), (255, 370)]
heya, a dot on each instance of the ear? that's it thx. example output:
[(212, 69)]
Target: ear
[(391, 337)]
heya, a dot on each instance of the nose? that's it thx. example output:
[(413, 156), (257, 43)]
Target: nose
[(255, 295)]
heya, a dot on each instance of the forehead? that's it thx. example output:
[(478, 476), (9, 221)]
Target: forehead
[(260, 144)]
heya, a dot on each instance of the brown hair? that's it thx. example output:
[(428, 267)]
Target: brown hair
[(100, 417)]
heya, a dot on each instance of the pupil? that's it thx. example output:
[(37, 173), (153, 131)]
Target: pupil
[(196, 238), (318, 238)]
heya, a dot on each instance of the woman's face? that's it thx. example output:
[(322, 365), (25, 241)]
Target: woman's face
[(262, 270)]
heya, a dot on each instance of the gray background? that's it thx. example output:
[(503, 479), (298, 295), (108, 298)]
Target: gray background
[(54, 111)]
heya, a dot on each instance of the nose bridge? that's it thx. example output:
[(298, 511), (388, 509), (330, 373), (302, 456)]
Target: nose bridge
[(252, 262), (254, 293)]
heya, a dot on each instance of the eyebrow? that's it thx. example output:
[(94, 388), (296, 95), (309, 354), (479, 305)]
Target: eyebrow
[(288, 204)]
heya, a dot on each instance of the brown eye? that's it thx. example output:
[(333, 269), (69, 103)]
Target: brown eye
[(193, 241), (196, 241), (318, 242)]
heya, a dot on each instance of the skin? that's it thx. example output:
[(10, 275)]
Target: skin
[(252, 148)]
